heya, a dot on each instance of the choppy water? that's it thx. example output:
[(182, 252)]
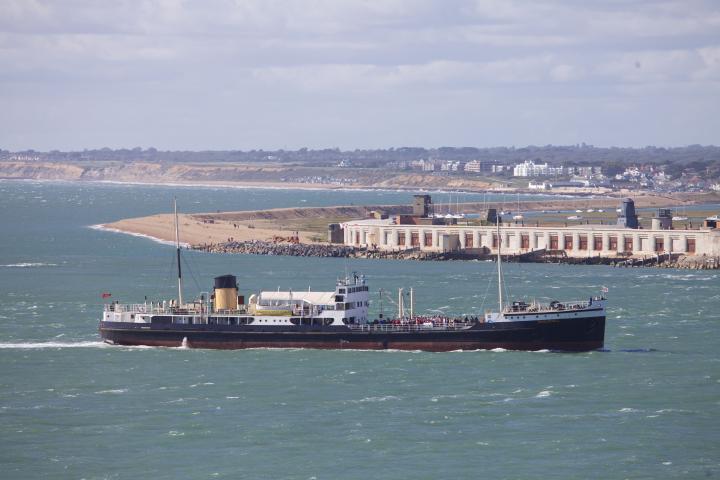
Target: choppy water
[(72, 407)]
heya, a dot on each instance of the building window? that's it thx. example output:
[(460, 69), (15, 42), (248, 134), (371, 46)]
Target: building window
[(468, 240), (428, 239), (583, 241), (613, 244), (401, 238), (628, 245), (597, 243), (415, 239), (568, 242), (553, 242), (659, 244), (691, 245), (524, 241)]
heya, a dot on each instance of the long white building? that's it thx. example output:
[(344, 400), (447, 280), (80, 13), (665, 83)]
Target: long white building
[(576, 241), (531, 169)]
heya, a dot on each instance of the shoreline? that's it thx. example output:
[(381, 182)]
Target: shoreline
[(668, 199), (676, 261), (306, 186), (326, 250), (104, 228)]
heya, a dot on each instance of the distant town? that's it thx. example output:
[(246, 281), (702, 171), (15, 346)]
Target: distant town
[(561, 169)]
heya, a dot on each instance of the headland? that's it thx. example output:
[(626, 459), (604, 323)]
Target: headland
[(304, 232)]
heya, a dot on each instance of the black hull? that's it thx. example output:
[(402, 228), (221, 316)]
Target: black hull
[(574, 335)]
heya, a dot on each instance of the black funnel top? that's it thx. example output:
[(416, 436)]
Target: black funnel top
[(226, 281)]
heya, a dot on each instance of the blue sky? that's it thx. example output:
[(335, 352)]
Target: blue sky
[(244, 74)]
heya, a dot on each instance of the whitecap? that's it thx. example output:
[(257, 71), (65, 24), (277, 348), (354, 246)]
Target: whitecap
[(543, 394), (375, 399), (113, 391), (29, 265)]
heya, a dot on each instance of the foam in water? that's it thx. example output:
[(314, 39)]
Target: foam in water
[(104, 228), (29, 265)]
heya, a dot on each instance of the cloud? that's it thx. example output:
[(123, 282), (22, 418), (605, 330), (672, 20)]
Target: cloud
[(184, 55)]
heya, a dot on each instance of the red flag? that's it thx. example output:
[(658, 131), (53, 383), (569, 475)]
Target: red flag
[(106, 295)]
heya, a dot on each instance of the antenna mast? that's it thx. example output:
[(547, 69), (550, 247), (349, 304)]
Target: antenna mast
[(381, 303), (177, 249), (412, 304), (401, 306), (499, 266)]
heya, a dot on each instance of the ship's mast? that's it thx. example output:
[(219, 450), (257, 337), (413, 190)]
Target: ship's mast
[(412, 304), (177, 249), (401, 307), (381, 303), (499, 265)]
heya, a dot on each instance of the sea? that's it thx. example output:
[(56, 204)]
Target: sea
[(646, 406)]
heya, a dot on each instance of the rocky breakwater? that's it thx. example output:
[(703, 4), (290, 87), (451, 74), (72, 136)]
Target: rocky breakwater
[(258, 247)]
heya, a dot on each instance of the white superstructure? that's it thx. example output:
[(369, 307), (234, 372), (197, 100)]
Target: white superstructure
[(346, 305)]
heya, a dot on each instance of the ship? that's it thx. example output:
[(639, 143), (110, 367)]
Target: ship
[(339, 319)]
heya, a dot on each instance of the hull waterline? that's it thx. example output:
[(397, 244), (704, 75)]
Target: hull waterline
[(571, 335)]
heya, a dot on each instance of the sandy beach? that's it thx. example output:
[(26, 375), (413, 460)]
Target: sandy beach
[(196, 231)]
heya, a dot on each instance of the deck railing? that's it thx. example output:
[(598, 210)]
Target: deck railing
[(408, 327), (156, 309), (554, 307)]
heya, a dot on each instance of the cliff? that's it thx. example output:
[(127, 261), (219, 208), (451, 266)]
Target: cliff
[(230, 173)]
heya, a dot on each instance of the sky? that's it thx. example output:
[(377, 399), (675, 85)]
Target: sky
[(271, 74)]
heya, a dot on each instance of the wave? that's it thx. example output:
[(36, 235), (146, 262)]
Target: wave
[(104, 228), (375, 399), (42, 345), (29, 265)]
